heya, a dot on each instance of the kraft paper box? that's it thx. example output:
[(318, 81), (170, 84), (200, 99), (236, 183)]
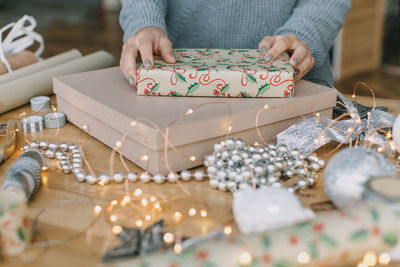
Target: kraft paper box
[(105, 102), (218, 72)]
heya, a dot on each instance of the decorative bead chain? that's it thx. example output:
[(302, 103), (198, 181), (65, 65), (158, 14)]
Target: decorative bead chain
[(70, 160), (231, 164)]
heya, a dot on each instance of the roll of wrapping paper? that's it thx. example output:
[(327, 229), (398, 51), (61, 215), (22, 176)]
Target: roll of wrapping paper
[(15, 227), (332, 239), (42, 65), (19, 92), (18, 60)]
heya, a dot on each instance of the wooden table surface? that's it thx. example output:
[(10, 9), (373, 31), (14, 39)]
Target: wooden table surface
[(66, 220)]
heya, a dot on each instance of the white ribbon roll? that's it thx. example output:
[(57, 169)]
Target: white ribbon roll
[(20, 37)]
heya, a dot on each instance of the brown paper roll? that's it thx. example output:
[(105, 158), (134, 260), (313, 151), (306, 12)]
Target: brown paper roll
[(18, 60)]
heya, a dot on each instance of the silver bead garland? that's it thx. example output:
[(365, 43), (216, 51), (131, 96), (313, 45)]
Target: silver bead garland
[(232, 166), (70, 159)]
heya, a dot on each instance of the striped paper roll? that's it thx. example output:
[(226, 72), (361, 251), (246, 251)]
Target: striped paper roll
[(32, 124)]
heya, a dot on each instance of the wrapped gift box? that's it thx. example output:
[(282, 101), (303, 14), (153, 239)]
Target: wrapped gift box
[(218, 72), (105, 102)]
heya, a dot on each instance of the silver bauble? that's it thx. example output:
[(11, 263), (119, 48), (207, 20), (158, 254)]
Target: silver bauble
[(348, 171)]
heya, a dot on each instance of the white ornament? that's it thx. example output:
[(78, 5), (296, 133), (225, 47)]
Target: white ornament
[(145, 177), (396, 133), (158, 179), (90, 179), (132, 177), (118, 177), (172, 177), (267, 208), (186, 175)]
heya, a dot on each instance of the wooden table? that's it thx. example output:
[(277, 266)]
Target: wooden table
[(67, 220)]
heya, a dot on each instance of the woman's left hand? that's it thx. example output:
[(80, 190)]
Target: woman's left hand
[(302, 60)]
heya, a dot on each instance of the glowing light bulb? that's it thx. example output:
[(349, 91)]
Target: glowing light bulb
[(114, 202), (192, 158), (317, 114), (178, 216), (144, 158), (227, 230), (384, 259), (192, 212), (353, 96), (137, 192), (370, 258), (178, 248), (229, 128), (84, 127), (116, 229), (381, 149), (245, 258), (153, 199), (133, 123), (168, 238), (203, 213), (44, 168), (389, 135), (113, 218), (118, 143), (189, 111), (147, 217), (139, 223), (266, 106), (157, 206), (97, 209), (303, 258), (144, 202)]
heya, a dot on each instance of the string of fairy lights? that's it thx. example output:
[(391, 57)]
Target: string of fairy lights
[(149, 208)]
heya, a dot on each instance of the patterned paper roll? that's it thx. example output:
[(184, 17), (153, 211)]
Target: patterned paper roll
[(18, 60), (15, 227), (42, 65), (17, 93), (333, 239)]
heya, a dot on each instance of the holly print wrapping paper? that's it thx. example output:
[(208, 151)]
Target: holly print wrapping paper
[(336, 238), (218, 73)]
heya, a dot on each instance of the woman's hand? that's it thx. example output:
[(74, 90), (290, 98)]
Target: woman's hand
[(302, 60), (147, 41)]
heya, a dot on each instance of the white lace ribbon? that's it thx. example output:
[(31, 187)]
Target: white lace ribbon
[(20, 37)]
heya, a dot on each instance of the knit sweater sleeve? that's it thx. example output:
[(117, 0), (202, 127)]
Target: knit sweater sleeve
[(138, 14), (317, 23)]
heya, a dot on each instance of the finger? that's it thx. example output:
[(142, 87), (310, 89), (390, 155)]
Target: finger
[(305, 67), (166, 50), (299, 53), (278, 48), (128, 63), (146, 52), (266, 44)]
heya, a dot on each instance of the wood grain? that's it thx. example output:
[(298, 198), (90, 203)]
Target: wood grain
[(67, 220)]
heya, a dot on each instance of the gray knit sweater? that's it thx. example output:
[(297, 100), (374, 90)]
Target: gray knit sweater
[(242, 24)]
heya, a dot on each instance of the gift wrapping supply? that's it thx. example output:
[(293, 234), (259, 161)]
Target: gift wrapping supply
[(15, 227), (54, 120), (336, 238), (40, 103), (32, 124)]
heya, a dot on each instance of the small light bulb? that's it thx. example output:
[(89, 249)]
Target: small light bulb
[(178, 216), (229, 128), (227, 230), (114, 202), (139, 223), (303, 258), (84, 127), (381, 149), (168, 238), (245, 258), (118, 144), (266, 106), (317, 114), (153, 199), (137, 192), (44, 168), (97, 209), (353, 96), (144, 202), (389, 135), (203, 213), (193, 158), (370, 258), (147, 217), (384, 259), (133, 123), (113, 218), (192, 212), (178, 248), (116, 229), (157, 206), (190, 111), (127, 198), (144, 158)]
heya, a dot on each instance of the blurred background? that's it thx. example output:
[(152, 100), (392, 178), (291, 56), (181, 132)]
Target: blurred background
[(367, 49)]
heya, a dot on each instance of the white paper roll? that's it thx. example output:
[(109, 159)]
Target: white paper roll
[(19, 92), (42, 65)]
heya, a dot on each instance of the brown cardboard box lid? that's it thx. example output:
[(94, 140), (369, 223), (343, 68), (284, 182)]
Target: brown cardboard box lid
[(106, 95)]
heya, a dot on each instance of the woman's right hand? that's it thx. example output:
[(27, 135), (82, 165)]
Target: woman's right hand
[(147, 41)]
